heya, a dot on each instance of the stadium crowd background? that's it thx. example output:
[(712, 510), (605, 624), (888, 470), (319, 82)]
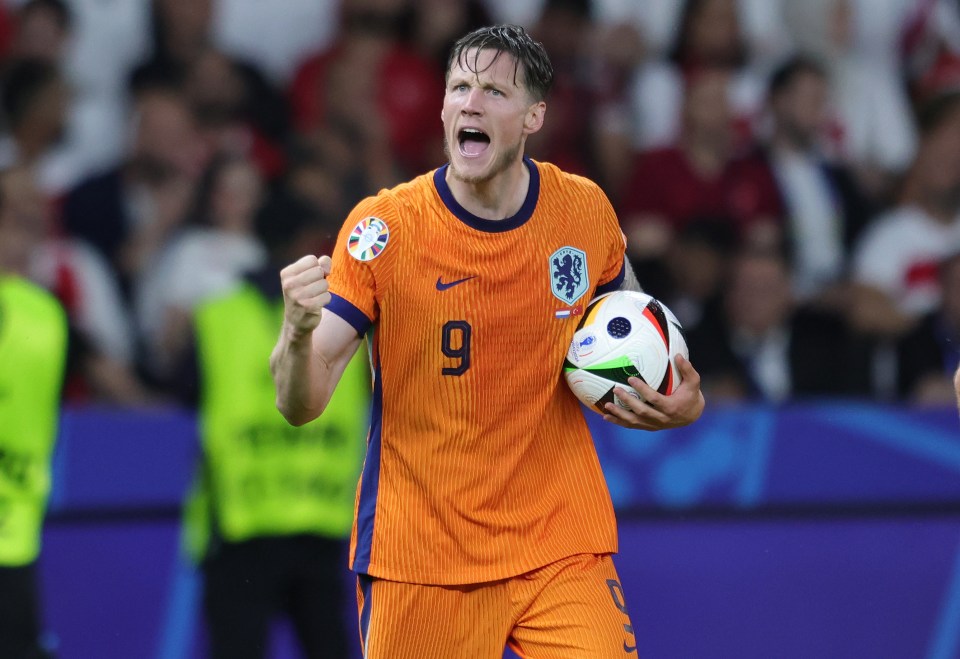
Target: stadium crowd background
[(787, 173)]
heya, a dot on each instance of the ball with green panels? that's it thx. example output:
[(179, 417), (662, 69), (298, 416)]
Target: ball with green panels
[(623, 334)]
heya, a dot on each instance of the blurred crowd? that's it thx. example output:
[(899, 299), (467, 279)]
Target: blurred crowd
[(787, 172)]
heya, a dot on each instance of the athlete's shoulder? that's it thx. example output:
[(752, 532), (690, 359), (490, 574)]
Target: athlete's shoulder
[(394, 204), (554, 180)]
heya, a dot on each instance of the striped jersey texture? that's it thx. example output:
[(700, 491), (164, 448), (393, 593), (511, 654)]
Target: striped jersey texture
[(479, 462)]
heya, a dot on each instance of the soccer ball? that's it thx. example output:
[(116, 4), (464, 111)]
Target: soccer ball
[(623, 334)]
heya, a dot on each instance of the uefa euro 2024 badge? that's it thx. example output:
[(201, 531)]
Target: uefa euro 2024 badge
[(368, 239)]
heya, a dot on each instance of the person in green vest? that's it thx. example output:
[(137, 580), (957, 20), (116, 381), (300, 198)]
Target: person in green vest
[(273, 504), (33, 355)]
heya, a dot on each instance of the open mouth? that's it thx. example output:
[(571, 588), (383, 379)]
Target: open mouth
[(473, 141)]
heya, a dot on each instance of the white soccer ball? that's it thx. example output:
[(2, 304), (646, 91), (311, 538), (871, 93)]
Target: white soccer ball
[(623, 334)]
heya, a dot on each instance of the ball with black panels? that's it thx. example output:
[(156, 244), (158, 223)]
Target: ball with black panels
[(623, 334)]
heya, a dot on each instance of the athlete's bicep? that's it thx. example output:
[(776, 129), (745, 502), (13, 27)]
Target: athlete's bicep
[(335, 341)]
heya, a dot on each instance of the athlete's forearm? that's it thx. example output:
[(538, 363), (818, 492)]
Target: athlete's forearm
[(299, 376)]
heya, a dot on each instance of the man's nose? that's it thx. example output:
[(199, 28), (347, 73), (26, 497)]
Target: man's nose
[(471, 104)]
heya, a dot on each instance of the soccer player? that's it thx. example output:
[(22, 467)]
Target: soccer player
[(482, 518)]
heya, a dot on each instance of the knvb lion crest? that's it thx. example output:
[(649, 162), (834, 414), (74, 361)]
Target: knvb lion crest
[(568, 274)]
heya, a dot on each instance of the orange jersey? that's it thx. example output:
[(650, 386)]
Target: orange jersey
[(479, 463)]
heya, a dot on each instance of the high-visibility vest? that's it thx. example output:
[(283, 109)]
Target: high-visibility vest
[(261, 476), (33, 349)]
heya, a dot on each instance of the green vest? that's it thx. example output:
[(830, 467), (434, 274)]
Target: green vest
[(33, 347), (262, 476)]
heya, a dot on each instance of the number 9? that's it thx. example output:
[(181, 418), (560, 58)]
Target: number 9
[(462, 352)]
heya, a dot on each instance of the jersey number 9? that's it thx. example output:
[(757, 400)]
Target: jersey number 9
[(456, 345)]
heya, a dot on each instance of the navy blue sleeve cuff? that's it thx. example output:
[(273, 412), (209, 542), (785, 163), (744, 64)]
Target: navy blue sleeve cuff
[(614, 284), (357, 319)]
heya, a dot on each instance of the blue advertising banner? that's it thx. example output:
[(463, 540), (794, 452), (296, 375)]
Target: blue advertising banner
[(747, 457), (812, 531)]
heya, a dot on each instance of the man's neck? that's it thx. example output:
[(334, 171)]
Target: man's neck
[(496, 199)]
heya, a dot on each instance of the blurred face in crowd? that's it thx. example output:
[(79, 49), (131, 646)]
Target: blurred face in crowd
[(186, 19), (487, 115), (236, 195), (706, 111), (215, 88), (759, 297), (714, 36), (166, 135), (48, 111), (40, 34), (937, 167), (800, 109)]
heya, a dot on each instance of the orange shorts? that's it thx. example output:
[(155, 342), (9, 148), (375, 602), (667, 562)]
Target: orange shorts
[(571, 609)]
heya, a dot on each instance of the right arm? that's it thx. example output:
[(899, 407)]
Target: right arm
[(314, 347)]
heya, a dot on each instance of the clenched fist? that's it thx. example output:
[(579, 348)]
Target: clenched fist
[(305, 293)]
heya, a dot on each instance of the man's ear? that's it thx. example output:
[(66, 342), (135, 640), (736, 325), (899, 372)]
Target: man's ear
[(534, 119)]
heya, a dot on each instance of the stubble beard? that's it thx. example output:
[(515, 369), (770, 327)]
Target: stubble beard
[(500, 165)]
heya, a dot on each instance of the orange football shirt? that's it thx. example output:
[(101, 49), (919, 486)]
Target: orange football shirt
[(479, 462)]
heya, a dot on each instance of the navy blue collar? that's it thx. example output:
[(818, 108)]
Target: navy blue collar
[(479, 223)]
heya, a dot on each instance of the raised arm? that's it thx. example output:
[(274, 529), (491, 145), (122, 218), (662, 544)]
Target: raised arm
[(314, 347)]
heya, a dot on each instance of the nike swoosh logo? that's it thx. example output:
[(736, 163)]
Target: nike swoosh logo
[(442, 285)]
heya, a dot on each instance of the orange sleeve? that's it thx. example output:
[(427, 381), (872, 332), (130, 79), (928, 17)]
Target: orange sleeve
[(363, 247)]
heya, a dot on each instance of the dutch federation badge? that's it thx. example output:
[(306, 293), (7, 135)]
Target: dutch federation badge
[(568, 274), (368, 239)]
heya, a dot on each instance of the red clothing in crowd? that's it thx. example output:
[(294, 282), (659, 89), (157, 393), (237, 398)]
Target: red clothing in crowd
[(410, 91), (665, 184)]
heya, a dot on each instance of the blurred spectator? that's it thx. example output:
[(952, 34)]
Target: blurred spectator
[(272, 506), (439, 23), (93, 44), (695, 270), (709, 36), (180, 33), (34, 99), (825, 209), (861, 43), (128, 212), (42, 31), (238, 111), (763, 346), (370, 67), (102, 337), (311, 178), (895, 261), (564, 29), (929, 354), (205, 258), (657, 22), (33, 351), (703, 175), (617, 50)]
